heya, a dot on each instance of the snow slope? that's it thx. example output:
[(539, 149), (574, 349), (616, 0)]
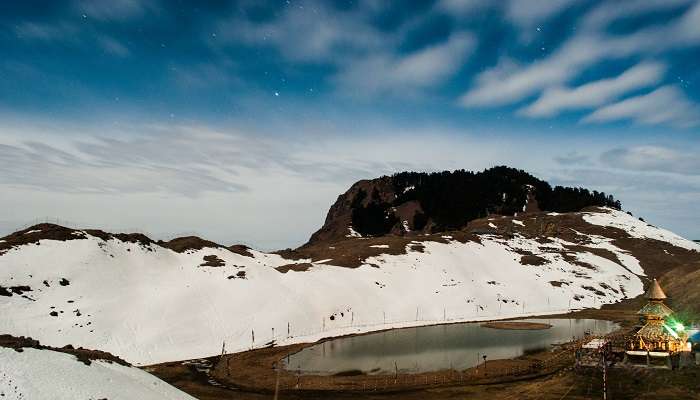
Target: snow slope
[(44, 374), (149, 304), (638, 228)]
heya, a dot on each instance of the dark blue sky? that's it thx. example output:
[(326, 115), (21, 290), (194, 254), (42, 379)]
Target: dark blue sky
[(243, 120)]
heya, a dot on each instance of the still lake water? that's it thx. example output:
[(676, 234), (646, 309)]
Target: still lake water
[(434, 348)]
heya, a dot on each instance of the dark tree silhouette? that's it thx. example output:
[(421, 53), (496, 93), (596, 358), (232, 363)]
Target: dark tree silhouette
[(373, 219), (451, 199)]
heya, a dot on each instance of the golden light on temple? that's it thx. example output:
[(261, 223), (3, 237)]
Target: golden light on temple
[(660, 337)]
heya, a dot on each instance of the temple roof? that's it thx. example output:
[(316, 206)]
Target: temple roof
[(654, 331), (657, 330), (657, 309), (654, 292)]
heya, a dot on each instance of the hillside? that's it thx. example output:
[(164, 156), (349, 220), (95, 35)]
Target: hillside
[(417, 202), (150, 302), (31, 371)]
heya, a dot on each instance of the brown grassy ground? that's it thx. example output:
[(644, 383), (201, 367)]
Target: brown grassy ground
[(565, 384)]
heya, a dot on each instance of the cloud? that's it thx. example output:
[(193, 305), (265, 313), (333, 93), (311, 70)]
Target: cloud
[(113, 46), (499, 85), (507, 82), (204, 75), (462, 8), (47, 168), (653, 159), (555, 100), (573, 158), (182, 160), (307, 33), (45, 32), (688, 28), (667, 104), (115, 10), (524, 14), (666, 199), (527, 14), (645, 192), (420, 69), (607, 12), (367, 60), (69, 33)]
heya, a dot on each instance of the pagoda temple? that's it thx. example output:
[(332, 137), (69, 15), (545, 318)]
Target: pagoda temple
[(658, 341)]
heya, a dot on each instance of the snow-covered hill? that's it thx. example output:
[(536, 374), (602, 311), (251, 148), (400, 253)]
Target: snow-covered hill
[(148, 303), (46, 374)]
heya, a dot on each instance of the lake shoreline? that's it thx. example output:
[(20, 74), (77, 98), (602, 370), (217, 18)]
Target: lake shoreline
[(253, 371)]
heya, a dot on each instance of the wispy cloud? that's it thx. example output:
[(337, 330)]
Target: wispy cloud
[(508, 82), (48, 168), (555, 100), (367, 60), (527, 14), (653, 159), (182, 159), (607, 12), (46, 32), (405, 73), (461, 8), (573, 158), (667, 104), (218, 74), (688, 29), (523, 14), (307, 32), (115, 10), (113, 46)]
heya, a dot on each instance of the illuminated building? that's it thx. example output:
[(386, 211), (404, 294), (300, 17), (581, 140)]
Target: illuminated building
[(660, 338)]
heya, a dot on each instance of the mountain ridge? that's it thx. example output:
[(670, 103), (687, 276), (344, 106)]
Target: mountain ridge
[(410, 202)]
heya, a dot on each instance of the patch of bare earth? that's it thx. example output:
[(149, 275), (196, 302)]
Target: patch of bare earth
[(352, 252), (212, 261), (300, 267), (183, 244), (516, 325), (240, 249), (85, 356), (531, 259)]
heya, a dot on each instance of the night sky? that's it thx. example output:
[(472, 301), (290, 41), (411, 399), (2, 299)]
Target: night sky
[(241, 121)]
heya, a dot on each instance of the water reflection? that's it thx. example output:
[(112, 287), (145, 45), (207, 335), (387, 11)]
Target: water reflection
[(433, 348)]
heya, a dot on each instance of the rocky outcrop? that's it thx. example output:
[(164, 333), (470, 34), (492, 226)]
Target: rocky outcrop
[(338, 222), (412, 203)]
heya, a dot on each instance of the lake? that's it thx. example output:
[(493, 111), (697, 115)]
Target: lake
[(434, 348)]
